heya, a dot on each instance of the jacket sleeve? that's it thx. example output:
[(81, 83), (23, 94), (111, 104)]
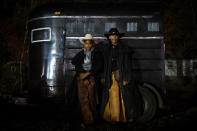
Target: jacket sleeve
[(77, 61), (128, 73), (97, 65)]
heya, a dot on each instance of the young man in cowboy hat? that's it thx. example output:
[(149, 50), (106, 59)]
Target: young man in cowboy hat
[(121, 100), (88, 65)]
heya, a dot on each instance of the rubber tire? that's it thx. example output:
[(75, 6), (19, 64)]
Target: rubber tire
[(150, 104)]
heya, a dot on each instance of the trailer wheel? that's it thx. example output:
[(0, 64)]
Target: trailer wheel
[(150, 104)]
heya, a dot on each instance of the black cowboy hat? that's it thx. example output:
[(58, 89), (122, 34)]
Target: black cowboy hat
[(113, 31)]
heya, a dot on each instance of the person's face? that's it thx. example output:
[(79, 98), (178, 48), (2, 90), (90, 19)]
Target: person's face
[(88, 44), (114, 39)]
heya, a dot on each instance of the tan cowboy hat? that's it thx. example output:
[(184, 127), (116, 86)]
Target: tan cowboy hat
[(87, 37)]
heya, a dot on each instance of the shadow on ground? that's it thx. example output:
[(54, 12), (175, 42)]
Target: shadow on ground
[(180, 113)]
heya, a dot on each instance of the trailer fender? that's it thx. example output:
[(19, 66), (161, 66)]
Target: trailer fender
[(157, 94)]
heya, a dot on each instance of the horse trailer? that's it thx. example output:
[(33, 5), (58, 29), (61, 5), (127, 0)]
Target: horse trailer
[(53, 37)]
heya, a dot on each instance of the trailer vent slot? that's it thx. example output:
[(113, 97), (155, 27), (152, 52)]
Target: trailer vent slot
[(153, 26), (70, 27), (89, 27), (108, 26), (132, 27)]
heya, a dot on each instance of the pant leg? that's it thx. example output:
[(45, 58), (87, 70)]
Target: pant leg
[(91, 94), (112, 109), (84, 91), (115, 109)]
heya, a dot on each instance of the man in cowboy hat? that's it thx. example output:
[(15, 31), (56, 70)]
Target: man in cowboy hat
[(121, 100), (88, 65)]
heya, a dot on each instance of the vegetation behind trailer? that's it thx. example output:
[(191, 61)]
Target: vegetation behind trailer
[(54, 32)]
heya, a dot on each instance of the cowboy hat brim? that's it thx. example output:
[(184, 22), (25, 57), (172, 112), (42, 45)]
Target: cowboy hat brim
[(82, 40), (119, 34)]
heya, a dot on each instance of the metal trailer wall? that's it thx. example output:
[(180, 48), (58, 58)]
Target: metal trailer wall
[(50, 62), (50, 54)]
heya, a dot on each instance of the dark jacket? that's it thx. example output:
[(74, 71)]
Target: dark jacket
[(130, 92), (97, 62)]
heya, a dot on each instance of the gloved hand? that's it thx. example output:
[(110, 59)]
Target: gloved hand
[(102, 80), (125, 83)]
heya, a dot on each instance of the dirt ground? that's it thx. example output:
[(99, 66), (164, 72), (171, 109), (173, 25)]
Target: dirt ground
[(180, 113)]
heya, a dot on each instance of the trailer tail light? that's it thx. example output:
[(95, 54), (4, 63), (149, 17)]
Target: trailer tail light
[(157, 13), (57, 12)]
